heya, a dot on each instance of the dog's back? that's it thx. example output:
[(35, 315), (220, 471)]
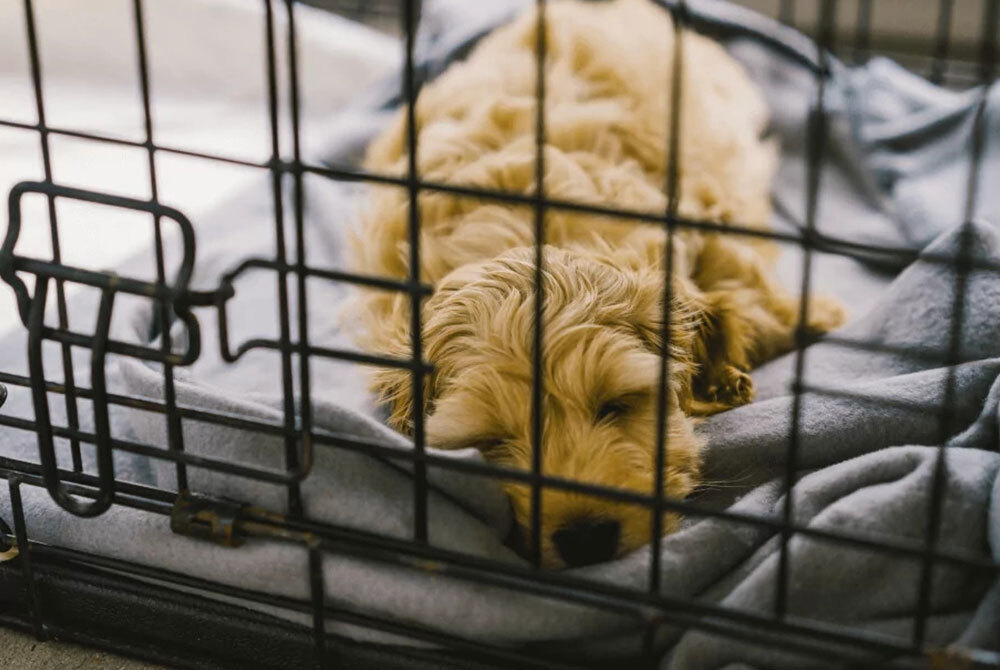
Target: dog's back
[(607, 99)]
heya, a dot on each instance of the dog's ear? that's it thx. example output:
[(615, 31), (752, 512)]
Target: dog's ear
[(646, 309), (637, 292), (394, 387), (647, 318), (389, 334), (645, 313), (386, 322), (638, 264)]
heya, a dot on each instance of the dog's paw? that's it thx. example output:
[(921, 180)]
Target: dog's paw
[(731, 387), (825, 314)]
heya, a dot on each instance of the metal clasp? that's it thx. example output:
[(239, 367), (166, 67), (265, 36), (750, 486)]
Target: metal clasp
[(207, 518)]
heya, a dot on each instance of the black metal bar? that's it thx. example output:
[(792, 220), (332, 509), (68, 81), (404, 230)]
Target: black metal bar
[(317, 599), (131, 447), (114, 347), (284, 325), (135, 496), (120, 201), (987, 55), (896, 256), (911, 352), (121, 141), (317, 590), (302, 292), (369, 359), (914, 353), (786, 12), (99, 280), (888, 544), (102, 423), (816, 150), (160, 502), (991, 19), (410, 92), (648, 646), (175, 433), (35, 612), (862, 32), (62, 315), (43, 425), (915, 407), (672, 172), (942, 42), (373, 282), (383, 283), (537, 350)]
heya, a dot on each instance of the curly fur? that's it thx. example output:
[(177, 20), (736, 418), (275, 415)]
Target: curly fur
[(607, 100)]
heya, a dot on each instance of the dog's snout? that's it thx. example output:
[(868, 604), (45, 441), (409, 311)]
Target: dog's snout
[(587, 541)]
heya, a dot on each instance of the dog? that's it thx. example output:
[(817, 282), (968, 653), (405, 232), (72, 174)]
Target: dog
[(607, 105)]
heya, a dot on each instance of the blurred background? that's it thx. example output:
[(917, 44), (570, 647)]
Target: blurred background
[(910, 29)]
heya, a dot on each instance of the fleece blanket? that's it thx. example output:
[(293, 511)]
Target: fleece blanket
[(869, 431)]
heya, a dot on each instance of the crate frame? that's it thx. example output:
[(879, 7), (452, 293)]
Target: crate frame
[(45, 578)]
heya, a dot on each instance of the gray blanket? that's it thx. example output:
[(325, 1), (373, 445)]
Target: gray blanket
[(897, 158)]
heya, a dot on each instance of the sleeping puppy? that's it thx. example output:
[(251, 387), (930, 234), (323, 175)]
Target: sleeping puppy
[(608, 68)]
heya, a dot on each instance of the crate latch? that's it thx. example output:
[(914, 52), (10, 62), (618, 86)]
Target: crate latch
[(207, 518)]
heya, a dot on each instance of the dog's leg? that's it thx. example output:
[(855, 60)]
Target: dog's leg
[(748, 319), (723, 349)]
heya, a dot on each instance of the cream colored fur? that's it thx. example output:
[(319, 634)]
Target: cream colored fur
[(606, 119)]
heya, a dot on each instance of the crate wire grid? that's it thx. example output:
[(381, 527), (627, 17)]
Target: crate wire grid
[(86, 494)]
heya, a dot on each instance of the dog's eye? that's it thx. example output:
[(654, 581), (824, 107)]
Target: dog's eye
[(613, 409)]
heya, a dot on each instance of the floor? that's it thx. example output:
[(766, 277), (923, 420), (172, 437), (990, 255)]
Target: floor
[(23, 652)]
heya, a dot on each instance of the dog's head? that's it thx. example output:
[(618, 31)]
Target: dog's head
[(601, 371)]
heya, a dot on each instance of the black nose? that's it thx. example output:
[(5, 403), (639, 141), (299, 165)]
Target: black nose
[(587, 541)]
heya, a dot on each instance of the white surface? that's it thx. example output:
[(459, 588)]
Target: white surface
[(208, 76)]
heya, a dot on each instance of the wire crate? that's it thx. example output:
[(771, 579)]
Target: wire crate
[(164, 616)]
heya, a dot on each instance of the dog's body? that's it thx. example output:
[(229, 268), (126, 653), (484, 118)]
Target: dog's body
[(607, 120)]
